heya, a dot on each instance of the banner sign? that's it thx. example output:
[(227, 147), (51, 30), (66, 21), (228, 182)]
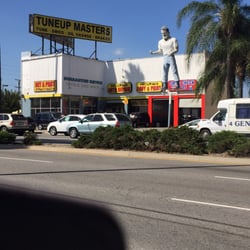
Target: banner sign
[(119, 88), (40, 24), (187, 85), (45, 86), (144, 87)]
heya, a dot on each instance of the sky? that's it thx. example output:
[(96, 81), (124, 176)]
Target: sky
[(136, 28)]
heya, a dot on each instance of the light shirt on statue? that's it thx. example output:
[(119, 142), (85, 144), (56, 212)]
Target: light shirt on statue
[(168, 47)]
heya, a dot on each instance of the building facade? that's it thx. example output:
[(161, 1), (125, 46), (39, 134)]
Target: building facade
[(73, 84)]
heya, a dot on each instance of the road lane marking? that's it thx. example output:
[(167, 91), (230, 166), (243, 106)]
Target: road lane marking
[(211, 204), (24, 159), (232, 178)]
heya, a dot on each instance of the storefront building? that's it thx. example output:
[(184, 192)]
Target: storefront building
[(73, 84)]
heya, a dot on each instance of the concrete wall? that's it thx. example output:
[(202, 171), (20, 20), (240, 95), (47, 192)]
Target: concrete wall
[(87, 77), (150, 69)]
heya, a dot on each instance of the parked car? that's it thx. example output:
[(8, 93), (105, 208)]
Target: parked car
[(60, 125), (92, 121), (31, 124), (44, 118), (192, 124), (140, 119), (14, 123)]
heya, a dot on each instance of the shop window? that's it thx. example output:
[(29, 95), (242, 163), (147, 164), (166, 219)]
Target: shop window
[(138, 105), (55, 102), (45, 105), (45, 102), (115, 107), (35, 103), (189, 114)]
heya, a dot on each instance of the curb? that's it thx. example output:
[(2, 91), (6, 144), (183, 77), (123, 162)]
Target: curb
[(144, 155)]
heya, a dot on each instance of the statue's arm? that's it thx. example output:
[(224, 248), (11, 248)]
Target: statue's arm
[(155, 52)]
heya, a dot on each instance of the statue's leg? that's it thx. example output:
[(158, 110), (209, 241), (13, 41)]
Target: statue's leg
[(175, 71), (165, 73)]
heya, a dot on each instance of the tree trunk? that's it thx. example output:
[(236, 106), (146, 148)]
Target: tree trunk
[(240, 87), (230, 81)]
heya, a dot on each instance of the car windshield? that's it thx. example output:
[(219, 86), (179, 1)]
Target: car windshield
[(64, 119), (221, 115), (194, 122), (57, 115)]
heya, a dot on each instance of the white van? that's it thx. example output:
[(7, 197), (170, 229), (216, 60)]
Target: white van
[(233, 115)]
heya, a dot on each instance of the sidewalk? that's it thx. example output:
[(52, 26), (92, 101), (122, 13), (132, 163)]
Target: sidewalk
[(213, 159)]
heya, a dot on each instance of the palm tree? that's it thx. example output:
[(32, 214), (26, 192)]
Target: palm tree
[(241, 54), (222, 29)]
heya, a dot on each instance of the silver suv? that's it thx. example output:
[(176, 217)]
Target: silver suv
[(15, 123), (60, 125), (92, 121)]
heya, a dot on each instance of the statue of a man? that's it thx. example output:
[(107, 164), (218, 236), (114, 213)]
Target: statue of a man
[(167, 47)]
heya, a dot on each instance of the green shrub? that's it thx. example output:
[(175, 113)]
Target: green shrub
[(169, 140), (225, 141), (102, 137), (126, 138), (30, 138), (83, 142), (241, 150), (179, 140), (7, 138), (108, 137), (182, 140), (174, 140), (150, 140), (115, 138)]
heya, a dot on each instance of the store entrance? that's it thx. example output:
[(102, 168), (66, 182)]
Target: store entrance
[(160, 113)]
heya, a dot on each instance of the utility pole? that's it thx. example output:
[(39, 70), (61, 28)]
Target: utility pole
[(19, 91), (18, 86)]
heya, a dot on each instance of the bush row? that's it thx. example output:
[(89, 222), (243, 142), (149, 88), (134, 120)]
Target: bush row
[(7, 138), (10, 138), (173, 140)]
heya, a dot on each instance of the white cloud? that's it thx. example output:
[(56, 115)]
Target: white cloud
[(119, 51)]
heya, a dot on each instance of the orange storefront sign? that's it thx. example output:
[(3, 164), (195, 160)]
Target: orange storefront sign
[(143, 87), (119, 88), (45, 86)]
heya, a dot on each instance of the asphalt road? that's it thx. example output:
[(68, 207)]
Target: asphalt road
[(161, 203)]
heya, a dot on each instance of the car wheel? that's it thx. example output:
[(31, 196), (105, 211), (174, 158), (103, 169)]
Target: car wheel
[(205, 133), (53, 131), (4, 128), (73, 133), (40, 126)]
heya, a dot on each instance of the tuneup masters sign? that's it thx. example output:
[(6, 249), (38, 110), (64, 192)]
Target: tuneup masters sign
[(48, 25)]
